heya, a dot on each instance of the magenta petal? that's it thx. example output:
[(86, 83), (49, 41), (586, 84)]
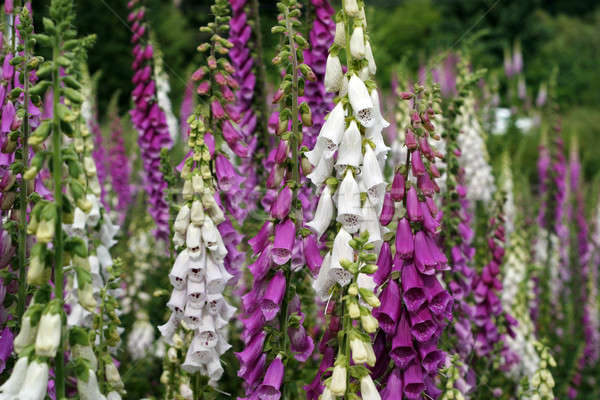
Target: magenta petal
[(273, 296), (387, 314), (285, 234), (402, 351)]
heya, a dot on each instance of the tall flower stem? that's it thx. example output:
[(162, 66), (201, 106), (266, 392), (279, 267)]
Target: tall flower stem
[(262, 70), (57, 176), (23, 190)]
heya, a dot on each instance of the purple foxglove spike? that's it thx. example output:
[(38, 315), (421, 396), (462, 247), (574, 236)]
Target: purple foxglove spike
[(431, 356), (262, 265), (405, 243), (413, 206), (398, 187), (269, 389), (312, 255), (418, 168), (393, 387), (402, 351), (412, 288), (300, 343), (387, 211), (422, 325), (413, 381), (273, 296), (285, 235), (389, 311), (251, 353), (281, 206), (384, 264), (424, 259)]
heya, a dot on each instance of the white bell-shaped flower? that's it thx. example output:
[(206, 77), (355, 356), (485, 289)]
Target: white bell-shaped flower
[(177, 302), (351, 8), (333, 74), (321, 172), (14, 383), (350, 151), (104, 257), (192, 241), (178, 239), (323, 282), (192, 316), (197, 213), (196, 268), (332, 130), (348, 204), (314, 156), (182, 220), (341, 251), (26, 335), (370, 223), (179, 272), (48, 336), (368, 390), (344, 89), (216, 276), (112, 375), (323, 214), (113, 396), (94, 215), (35, 383), (210, 235), (361, 102), (340, 34), (207, 331), (374, 135), (191, 364), (85, 352), (89, 390), (337, 386), (357, 43), (79, 219), (196, 293), (215, 370), (377, 109), (167, 330), (214, 303), (371, 177), (370, 59)]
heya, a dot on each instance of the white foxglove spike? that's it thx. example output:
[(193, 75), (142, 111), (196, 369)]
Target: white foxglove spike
[(196, 293), (371, 177), (179, 272), (192, 316), (177, 302), (321, 172), (370, 223), (370, 59), (15, 382), (182, 220), (333, 130), (49, 333), (350, 151), (340, 34), (35, 384), (377, 109), (361, 102), (196, 268), (167, 330), (348, 203), (197, 213), (357, 43), (333, 74), (192, 241), (323, 214), (341, 251), (323, 282)]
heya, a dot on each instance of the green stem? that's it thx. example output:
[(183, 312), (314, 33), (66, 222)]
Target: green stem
[(22, 293), (262, 75), (57, 176)]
